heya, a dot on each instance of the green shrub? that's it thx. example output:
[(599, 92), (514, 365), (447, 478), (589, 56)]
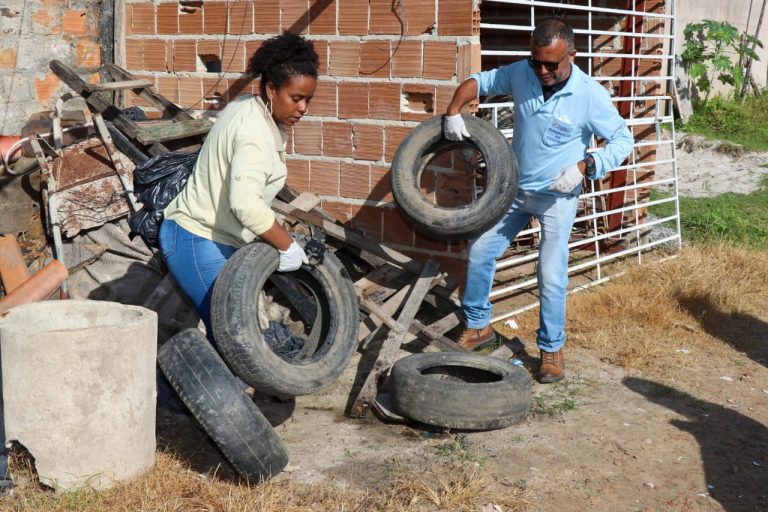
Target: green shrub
[(736, 219), (744, 123)]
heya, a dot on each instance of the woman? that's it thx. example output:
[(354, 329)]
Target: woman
[(241, 167)]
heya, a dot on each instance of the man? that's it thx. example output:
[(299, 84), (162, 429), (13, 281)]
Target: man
[(557, 109)]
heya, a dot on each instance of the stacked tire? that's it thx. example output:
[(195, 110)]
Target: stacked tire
[(211, 383)]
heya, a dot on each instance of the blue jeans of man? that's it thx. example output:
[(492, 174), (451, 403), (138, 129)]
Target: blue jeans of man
[(555, 213), (195, 263)]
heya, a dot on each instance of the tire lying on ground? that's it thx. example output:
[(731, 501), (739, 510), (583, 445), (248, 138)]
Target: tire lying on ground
[(225, 411), (329, 296), (466, 221), (458, 390)]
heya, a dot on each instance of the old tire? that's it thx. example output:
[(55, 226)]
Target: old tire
[(238, 334), (466, 221), (462, 391), (226, 413)]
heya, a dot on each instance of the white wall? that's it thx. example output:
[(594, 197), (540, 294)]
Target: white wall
[(743, 14)]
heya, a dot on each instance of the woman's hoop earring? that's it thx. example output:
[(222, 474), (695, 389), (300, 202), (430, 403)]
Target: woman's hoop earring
[(269, 106)]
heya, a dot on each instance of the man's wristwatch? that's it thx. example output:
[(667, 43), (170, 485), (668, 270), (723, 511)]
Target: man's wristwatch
[(589, 164)]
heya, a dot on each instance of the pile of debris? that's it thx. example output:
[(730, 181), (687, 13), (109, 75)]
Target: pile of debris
[(86, 160)]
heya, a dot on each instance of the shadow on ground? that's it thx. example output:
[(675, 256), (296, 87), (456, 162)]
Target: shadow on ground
[(734, 447), (745, 333)]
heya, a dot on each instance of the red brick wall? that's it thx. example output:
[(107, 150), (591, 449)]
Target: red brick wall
[(382, 72)]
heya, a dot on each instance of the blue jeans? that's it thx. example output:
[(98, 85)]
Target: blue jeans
[(555, 214), (195, 263)]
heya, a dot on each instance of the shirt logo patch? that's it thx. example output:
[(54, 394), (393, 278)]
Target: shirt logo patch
[(559, 131)]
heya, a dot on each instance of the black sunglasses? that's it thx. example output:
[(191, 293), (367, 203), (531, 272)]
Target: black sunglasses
[(549, 66)]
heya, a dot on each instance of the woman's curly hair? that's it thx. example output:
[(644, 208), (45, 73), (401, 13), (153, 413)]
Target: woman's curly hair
[(281, 58)]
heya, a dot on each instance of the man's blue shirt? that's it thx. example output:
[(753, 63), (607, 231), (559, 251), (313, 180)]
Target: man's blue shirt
[(551, 135)]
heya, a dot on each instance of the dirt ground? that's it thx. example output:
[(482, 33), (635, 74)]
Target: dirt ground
[(685, 430)]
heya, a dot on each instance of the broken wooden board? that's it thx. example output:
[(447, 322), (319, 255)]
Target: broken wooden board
[(391, 345)]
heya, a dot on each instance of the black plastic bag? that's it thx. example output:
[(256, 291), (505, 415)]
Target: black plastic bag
[(156, 183)]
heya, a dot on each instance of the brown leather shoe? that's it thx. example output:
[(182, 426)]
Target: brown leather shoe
[(473, 339), (552, 367)]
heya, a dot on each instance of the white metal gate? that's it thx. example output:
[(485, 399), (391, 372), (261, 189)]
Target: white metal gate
[(596, 244)]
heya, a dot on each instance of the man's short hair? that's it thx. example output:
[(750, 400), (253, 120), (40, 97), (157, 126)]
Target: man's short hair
[(548, 30)]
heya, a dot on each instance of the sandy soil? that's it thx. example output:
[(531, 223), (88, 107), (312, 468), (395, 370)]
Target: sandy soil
[(603, 440), (706, 167)]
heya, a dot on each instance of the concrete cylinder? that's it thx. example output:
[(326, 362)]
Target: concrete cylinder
[(79, 391)]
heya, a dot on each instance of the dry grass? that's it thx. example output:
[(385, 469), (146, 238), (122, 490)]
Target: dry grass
[(692, 301), (170, 486)]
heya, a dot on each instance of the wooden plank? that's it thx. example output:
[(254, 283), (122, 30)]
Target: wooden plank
[(113, 86), (306, 201), (429, 335), (508, 349), (382, 282), (371, 323), (349, 236), (173, 130), (108, 110), (388, 352), (168, 109)]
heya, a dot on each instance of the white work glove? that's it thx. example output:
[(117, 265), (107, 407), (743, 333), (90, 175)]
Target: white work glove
[(568, 179), (291, 258), (454, 128)]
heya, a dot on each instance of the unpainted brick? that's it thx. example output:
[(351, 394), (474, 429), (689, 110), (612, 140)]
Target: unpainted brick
[(375, 59), (294, 16), (337, 139), (190, 22), (396, 229), (298, 174), (214, 18), (321, 48), (383, 18), (215, 93), (381, 184), (242, 85), (324, 177), (353, 100), (154, 55), (439, 60), (324, 101), (75, 22), (322, 17), (308, 138), (233, 56), (419, 102), (209, 47), (168, 18), (45, 88), (190, 92), (394, 135), (354, 180), (143, 19), (344, 59), (184, 55), (366, 219), (469, 61), (134, 51), (384, 101), (241, 17), (367, 142), (353, 17), (267, 17), (406, 59), (168, 86), (454, 17), (420, 16)]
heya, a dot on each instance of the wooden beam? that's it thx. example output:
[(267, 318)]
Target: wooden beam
[(388, 352), (113, 86), (173, 130)]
